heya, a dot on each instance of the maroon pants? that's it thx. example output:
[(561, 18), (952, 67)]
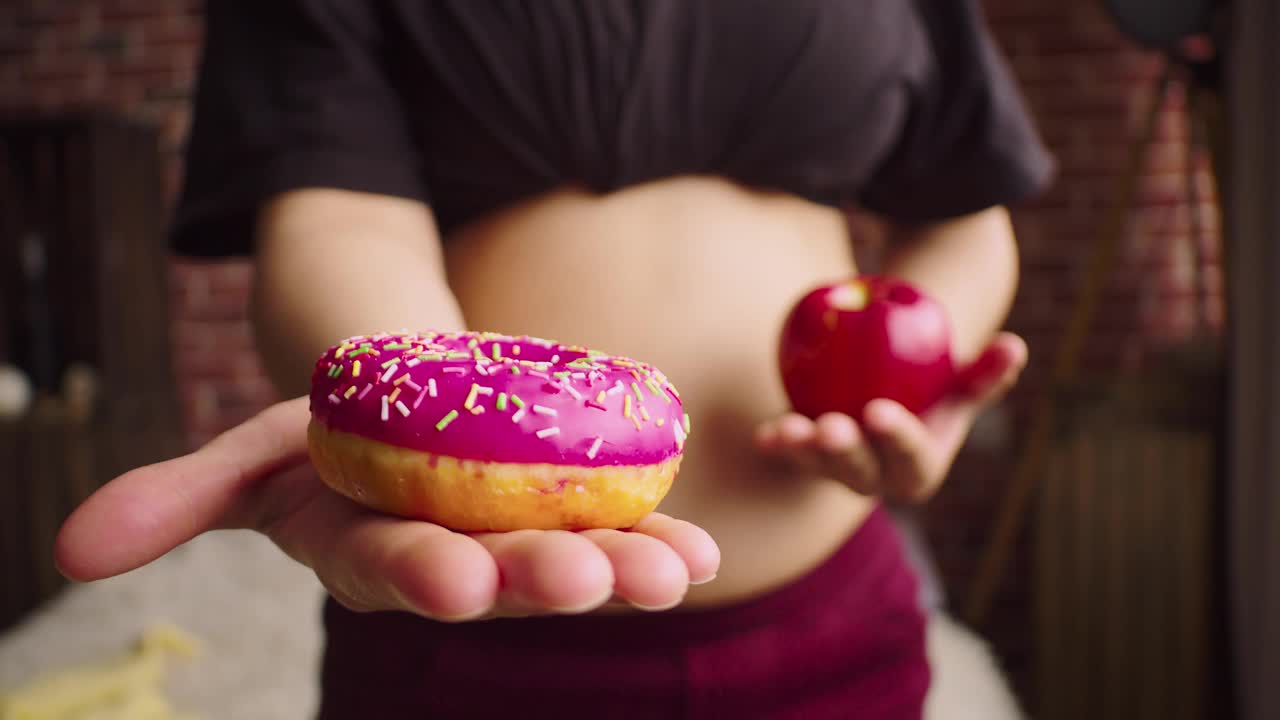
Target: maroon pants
[(846, 641)]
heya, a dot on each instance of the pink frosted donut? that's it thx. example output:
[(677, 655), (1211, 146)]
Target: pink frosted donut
[(480, 431)]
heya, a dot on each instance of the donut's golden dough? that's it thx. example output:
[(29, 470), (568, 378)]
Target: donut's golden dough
[(470, 495)]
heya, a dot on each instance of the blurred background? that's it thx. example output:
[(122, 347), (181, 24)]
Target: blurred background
[(1107, 530)]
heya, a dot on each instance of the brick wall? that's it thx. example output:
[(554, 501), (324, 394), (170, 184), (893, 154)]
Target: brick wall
[(220, 379), (133, 56), (1086, 85)]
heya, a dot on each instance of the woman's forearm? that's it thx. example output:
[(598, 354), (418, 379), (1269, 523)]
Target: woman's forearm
[(332, 264), (968, 264)]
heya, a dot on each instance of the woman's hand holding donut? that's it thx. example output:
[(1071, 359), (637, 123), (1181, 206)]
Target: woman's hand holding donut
[(257, 476), (892, 452)]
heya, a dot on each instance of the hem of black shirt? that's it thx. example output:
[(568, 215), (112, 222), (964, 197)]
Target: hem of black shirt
[(1005, 179), (222, 222)]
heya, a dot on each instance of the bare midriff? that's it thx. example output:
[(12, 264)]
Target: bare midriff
[(694, 275)]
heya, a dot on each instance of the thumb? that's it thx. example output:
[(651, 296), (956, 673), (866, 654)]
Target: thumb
[(147, 512), (994, 371)]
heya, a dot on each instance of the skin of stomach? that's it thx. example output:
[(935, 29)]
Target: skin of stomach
[(694, 275)]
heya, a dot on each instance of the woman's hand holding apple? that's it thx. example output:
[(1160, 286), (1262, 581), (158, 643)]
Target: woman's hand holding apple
[(878, 401)]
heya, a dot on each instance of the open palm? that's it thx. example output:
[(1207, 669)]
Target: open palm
[(257, 476), (892, 452)]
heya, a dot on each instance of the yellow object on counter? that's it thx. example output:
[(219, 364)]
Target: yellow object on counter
[(122, 688)]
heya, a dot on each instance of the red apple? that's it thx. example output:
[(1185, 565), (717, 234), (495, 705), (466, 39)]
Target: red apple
[(867, 337)]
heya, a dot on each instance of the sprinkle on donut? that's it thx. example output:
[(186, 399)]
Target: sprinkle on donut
[(494, 397)]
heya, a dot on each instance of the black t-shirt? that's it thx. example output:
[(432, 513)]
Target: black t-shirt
[(904, 108)]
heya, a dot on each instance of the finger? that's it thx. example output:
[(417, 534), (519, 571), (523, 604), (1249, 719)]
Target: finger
[(903, 445), (694, 545), (766, 434), (848, 455), (549, 571), (835, 432), (647, 572), (370, 561), (796, 430), (791, 440), (147, 512)]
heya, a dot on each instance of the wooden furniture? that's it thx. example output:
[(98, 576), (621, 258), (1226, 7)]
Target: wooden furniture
[(1127, 621), (84, 313)]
